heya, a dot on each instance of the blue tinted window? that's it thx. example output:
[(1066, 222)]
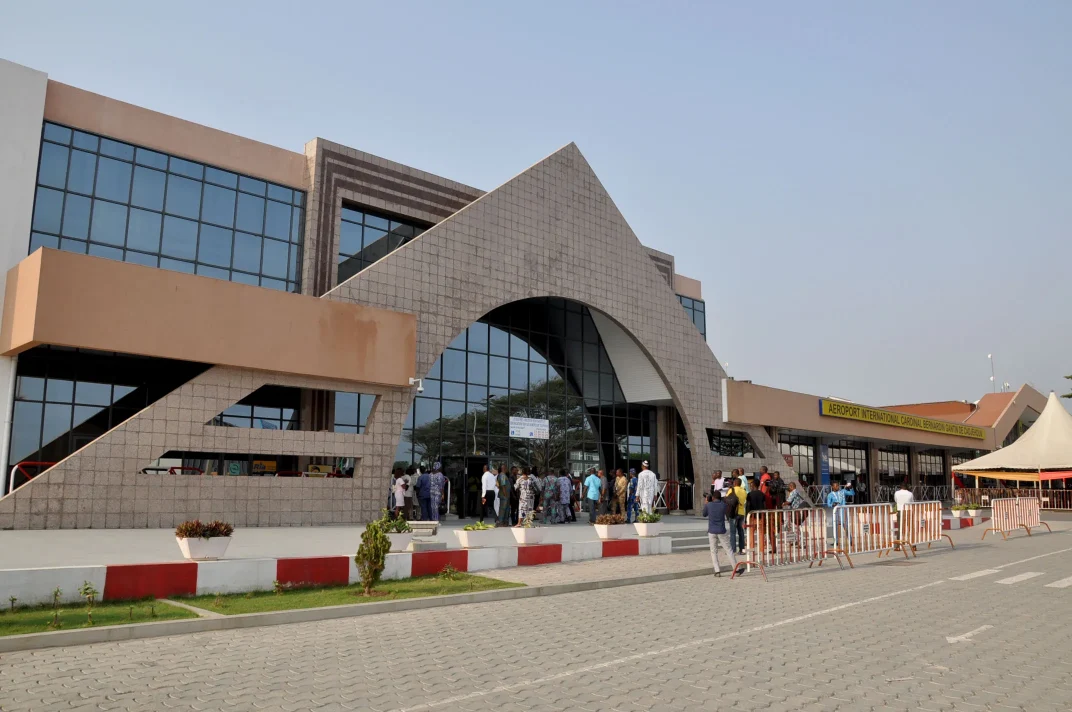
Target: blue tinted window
[(275, 259), (224, 178), (250, 213), (143, 231), (186, 168), (86, 141), (183, 197), (113, 180), (109, 147), (180, 238), (349, 238), (109, 223), (93, 189), (82, 172), (146, 157), (59, 134), (247, 252), (252, 185), (148, 191), (277, 220), (214, 247), (39, 239), (53, 169), (218, 206), (76, 217), (48, 209)]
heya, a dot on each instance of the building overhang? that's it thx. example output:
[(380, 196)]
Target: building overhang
[(749, 404), (66, 299)]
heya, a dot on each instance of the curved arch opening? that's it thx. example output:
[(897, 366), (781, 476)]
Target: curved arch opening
[(545, 359)]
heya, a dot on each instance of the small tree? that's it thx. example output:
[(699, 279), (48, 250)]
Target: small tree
[(88, 592), (372, 555)]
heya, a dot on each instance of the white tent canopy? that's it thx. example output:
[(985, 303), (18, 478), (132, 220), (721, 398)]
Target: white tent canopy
[(1047, 445)]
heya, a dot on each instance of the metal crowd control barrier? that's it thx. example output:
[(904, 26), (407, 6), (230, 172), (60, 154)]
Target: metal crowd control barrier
[(862, 528), (920, 523), (777, 537), (1012, 513)]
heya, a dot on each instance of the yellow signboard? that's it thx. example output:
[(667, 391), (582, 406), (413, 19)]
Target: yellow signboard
[(838, 409)]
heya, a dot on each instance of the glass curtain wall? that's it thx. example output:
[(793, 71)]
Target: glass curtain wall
[(536, 358), (931, 468), (801, 450), (66, 398), (111, 199), (848, 463), (892, 465), (365, 236)]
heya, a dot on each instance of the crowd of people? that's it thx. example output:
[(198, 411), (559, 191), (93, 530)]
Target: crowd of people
[(508, 497), (731, 499)]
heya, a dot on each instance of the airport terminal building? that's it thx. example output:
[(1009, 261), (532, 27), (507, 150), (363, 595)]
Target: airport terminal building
[(197, 324)]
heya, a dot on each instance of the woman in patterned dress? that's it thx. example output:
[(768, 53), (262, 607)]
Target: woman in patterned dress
[(438, 485), (526, 488), (550, 498)]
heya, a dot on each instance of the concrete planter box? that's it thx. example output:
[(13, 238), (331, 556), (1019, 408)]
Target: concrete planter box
[(474, 539), (649, 529), (611, 531), (958, 513), (400, 541), (975, 512), (203, 549), (529, 535)]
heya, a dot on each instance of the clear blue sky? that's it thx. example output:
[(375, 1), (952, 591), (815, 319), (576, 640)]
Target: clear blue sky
[(875, 196)]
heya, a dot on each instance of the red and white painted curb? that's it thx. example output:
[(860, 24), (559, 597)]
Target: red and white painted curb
[(962, 522), (187, 578)]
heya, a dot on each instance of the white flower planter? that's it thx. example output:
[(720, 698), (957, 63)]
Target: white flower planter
[(648, 529), (474, 539), (204, 549), (974, 512), (611, 531), (530, 535), (400, 540), (957, 513)]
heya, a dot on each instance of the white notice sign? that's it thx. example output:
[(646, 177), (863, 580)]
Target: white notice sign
[(531, 428)]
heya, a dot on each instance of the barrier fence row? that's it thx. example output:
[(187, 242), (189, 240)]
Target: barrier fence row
[(920, 523), (777, 537), (1012, 513)]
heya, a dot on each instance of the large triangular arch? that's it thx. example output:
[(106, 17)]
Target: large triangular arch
[(552, 230)]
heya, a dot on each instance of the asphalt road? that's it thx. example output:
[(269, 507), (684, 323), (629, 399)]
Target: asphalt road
[(984, 627)]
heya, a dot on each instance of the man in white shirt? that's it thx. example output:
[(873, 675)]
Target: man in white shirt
[(718, 482), (903, 496), (487, 487), (647, 487)]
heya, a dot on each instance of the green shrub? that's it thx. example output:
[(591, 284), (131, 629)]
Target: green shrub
[(476, 527), (196, 529), (372, 555), (645, 518), (396, 525)]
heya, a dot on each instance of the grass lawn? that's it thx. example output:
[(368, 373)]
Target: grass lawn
[(73, 616), (264, 601)]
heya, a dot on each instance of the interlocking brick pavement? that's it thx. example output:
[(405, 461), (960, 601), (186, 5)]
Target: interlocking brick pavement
[(820, 639)]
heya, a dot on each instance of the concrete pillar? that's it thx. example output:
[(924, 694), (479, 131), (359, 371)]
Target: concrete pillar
[(22, 112), (913, 466)]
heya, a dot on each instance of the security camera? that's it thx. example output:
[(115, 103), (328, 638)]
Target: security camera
[(419, 382), (420, 388)]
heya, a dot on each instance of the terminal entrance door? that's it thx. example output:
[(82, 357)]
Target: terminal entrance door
[(464, 474)]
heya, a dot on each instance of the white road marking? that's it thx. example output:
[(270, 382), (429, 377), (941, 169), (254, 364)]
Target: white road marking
[(1021, 577), (1063, 583), (663, 651), (1024, 561), (966, 636), (974, 574)]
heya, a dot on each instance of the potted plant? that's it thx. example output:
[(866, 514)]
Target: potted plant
[(973, 510), (611, 526), (527, 531), (475, 535), (398, 531), (958, 510), (648, 524), (203, 542)]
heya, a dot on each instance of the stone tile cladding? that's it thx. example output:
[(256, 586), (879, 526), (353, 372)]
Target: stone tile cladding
[(551, 231)]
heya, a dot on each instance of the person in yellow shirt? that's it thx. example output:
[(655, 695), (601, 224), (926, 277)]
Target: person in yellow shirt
[(737, 519)]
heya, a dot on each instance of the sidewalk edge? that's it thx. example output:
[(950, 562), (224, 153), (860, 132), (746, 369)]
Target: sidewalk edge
[(137, 631)]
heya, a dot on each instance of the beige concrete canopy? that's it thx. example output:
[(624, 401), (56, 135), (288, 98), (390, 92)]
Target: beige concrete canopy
[(1045, 448)]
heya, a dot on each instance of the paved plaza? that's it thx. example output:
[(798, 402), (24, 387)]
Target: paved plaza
[(983, 627)]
